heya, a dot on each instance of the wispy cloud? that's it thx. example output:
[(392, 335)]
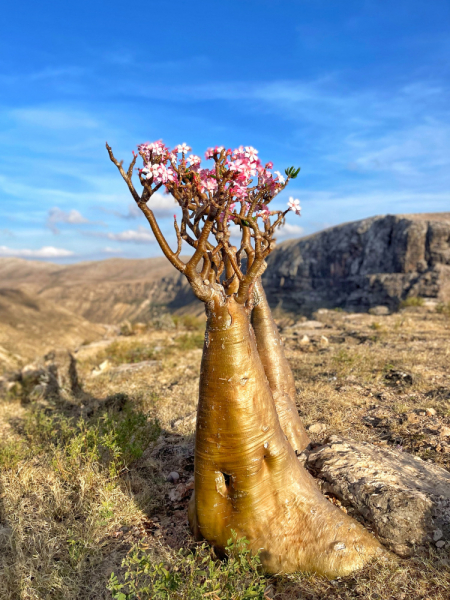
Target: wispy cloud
[(44, 252), (109, 250), (163, 205), (54, 118), (141, 235), (71, 217)]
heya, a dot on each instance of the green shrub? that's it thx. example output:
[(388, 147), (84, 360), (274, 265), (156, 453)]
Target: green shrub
[(127, 352), (189, 322), (192, 575), (412, 301), (113, 440), (443, 309), (189, 341)]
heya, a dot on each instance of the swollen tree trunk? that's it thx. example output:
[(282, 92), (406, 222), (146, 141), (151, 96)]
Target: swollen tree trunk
[(277, 369), (247, 476)]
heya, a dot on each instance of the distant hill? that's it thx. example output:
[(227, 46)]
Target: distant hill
[(107, 291), (380, 260), (31, 325)]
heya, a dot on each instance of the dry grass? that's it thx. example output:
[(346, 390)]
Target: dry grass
[(76, 495)]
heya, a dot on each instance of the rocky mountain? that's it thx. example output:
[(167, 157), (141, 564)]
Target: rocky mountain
[(376, 261), (358, 265)]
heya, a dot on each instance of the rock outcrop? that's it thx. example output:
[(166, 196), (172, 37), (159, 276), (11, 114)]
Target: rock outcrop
[(405, 499), (374, 262)]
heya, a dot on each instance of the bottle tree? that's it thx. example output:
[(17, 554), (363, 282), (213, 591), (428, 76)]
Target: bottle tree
[(247, 475)]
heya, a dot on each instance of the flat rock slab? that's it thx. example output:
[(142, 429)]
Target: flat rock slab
[(406, 500)]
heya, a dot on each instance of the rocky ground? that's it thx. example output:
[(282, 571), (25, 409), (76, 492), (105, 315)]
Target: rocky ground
[(67, 521)]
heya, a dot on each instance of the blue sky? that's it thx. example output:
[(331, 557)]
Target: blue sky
[(356, 93)]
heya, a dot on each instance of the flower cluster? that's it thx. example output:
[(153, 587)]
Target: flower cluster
[(236, 174)]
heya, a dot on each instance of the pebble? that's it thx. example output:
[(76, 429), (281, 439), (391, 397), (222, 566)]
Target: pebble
[(379, 311), (309, 325), (440, 544), (445, 431), (173, 477), (431, 412), (437, 534), (317, 428)]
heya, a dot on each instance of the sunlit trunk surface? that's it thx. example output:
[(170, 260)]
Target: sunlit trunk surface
[(277, 370), (247, 476)]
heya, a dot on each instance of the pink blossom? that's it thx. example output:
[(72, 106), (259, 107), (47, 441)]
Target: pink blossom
[(211, 151), (294, 205), (194, 159), (251, 153), (183, 148), (152, 149)]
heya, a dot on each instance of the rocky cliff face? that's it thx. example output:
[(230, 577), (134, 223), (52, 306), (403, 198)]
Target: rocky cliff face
[(376, 261)]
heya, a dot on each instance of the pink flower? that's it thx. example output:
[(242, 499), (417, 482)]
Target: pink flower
[(194, 159), (251, 153), (294, 205), (211, 151)]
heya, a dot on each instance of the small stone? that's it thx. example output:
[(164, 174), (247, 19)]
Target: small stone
[(309, 325), (379, 311), (445, 431), (431, 412), (173, 477), (412, 418), (324, 340), (440, 544), (305, 340), (317, 428), (437, 534)]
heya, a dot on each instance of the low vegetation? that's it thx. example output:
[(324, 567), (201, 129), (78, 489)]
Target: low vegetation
[(86, 508)]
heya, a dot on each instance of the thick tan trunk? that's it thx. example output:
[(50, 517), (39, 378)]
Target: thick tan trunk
[(247, 476), (277, 370)]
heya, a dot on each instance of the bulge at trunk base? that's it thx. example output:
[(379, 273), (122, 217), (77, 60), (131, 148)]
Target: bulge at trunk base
[(247, 476)]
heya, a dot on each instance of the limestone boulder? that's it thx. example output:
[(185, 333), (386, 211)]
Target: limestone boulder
[(405, 499)]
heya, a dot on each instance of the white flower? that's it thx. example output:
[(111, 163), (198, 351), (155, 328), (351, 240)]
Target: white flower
[(294, 205), (183, 148), (281, 179)]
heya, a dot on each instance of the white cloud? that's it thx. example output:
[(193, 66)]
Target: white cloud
[(289, 231), (110, 250), (284, 232), (141, 235), (162, 204), (56, 215), (44, 252)]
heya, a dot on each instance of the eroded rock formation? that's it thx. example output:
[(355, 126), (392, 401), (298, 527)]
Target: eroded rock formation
[(358, 265), (406, 500)]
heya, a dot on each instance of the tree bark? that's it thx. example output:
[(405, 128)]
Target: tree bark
[(247, 476), (277, 370)]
